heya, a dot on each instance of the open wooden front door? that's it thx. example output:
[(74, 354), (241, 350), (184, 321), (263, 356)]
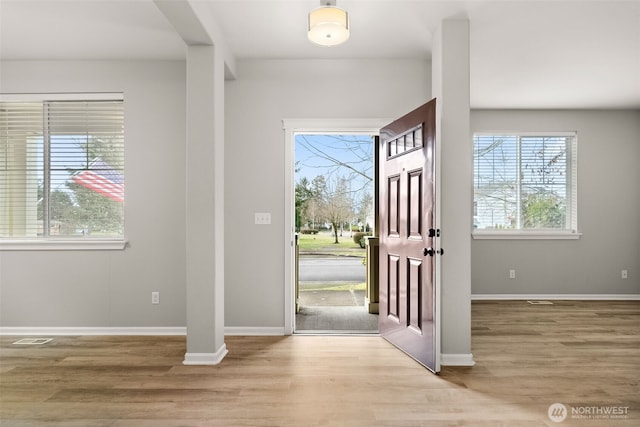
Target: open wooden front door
[(407, 234)]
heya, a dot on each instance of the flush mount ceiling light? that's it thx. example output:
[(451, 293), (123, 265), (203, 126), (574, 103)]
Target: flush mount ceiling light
[(328, 24)]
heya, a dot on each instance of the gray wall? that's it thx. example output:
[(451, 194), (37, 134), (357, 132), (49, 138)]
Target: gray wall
[(112, 288), (608, 212), (264, 93)]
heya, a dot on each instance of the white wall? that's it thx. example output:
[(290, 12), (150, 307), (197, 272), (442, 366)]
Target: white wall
[(264, 93), (608, 212), (112, 288), (451, 88)]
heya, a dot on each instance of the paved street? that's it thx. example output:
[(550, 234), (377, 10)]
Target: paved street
[(331, 269)]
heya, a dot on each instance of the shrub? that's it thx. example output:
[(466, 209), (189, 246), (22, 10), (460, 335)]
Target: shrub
[(309, 231), (358, 238)]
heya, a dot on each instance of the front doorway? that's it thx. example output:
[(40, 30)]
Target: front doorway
[(409, 240), (334, 214)]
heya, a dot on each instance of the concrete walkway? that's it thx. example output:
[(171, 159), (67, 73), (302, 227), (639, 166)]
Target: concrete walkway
[(330, 311)]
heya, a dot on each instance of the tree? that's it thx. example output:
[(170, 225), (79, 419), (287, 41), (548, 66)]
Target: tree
[(309, 203), (519, 181), (541, 205), (337, 206), (543, 211), (303, 196), (334, 149), (365, 207), (61, 210), (340, 158), (315, 206), (93, 211)]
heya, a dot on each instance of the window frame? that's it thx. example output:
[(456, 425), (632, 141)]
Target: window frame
[(63, 243), (571, 233)]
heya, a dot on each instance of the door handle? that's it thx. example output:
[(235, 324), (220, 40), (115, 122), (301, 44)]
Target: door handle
[(432, 252)]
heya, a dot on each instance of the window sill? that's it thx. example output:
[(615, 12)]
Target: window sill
[(62, 245), (525, 235)]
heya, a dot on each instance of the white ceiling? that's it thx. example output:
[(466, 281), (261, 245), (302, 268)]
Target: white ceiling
[(524, 54)]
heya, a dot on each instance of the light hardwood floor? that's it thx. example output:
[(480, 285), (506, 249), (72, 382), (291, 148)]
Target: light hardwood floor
[(581, 354)]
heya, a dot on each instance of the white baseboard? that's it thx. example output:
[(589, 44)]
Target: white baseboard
[(457, 360), (64, 330), (568, 297), (206, 358), (152, 330), (254, 330)]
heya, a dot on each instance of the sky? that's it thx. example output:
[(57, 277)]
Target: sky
[(321, 154), (337, 156)]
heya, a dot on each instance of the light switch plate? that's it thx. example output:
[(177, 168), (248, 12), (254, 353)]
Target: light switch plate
[(262, 218)]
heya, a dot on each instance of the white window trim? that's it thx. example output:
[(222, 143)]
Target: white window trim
[(52, 96), (525, 235), (537, 234), (62, 244), (53, 244)]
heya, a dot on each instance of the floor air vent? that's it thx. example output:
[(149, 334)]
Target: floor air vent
[(540, 302), (33, 341)]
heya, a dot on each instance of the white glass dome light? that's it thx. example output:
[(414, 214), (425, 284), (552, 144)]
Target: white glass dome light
[(328, 24)]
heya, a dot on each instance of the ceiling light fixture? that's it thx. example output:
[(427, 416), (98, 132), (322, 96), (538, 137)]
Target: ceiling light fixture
[(328, 24)]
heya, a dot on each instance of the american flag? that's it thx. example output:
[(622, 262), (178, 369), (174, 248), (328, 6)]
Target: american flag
[(101, 178)]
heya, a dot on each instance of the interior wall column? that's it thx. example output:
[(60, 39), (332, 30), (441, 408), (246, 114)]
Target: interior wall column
[(450, 85), (205, 206)]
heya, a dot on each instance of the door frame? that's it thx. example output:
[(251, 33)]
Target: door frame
[(309, 126)]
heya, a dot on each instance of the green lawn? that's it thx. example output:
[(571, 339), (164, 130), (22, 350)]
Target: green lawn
[(324, 243)]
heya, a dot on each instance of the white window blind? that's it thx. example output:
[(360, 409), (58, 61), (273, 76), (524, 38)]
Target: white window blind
[(525, 182), (61, 169)]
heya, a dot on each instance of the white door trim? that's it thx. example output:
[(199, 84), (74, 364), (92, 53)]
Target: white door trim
[(291, 128)]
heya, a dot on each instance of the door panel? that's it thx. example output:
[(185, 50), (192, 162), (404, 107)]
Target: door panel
[(414, 216), (415, 294), (393, 288), (407, 201), (394, 206)]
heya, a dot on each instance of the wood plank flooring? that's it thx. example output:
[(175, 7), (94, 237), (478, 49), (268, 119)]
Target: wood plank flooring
[(585, 355)]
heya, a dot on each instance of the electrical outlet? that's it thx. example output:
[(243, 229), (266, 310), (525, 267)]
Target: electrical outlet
[(155, 297), (512, 274), (624, 274)]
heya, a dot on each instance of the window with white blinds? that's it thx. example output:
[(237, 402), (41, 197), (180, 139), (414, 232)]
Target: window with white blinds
[(525, 183), (61, 168)]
